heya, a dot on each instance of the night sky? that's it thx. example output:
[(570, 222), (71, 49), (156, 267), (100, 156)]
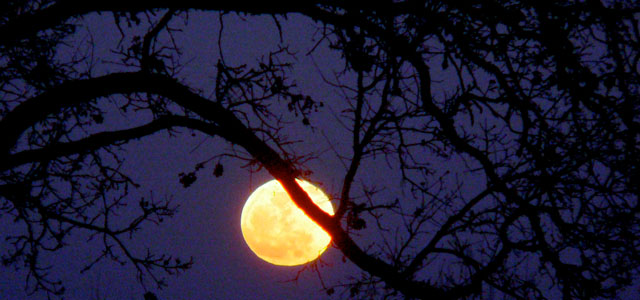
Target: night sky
[(207, 225)]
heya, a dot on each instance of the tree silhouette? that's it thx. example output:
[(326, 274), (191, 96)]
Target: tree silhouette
[(537, 101)]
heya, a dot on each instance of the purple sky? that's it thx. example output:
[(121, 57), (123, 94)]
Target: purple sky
[(207, 226)]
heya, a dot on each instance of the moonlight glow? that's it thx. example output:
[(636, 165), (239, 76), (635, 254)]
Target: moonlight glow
[(278, 231)]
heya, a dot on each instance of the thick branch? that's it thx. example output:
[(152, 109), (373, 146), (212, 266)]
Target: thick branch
[(100, 140), (37, 108)]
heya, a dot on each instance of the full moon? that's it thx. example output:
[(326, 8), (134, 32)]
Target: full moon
[(278, 231)]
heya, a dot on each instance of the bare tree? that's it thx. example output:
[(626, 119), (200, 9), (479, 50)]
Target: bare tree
[(538, 102)]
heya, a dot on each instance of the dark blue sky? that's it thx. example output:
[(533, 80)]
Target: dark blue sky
[(207, 225)]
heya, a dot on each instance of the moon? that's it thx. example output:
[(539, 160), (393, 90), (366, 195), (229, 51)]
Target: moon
[(279, 232)]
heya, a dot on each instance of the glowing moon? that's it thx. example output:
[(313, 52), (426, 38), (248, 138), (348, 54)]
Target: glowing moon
[(278, 231)]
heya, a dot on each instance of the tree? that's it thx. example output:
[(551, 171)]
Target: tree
[(537, 102)]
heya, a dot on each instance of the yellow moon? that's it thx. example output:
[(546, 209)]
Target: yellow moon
[(278, 231)]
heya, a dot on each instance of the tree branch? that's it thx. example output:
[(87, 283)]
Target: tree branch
[(230, 128), (102, 139), (26, 25)]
